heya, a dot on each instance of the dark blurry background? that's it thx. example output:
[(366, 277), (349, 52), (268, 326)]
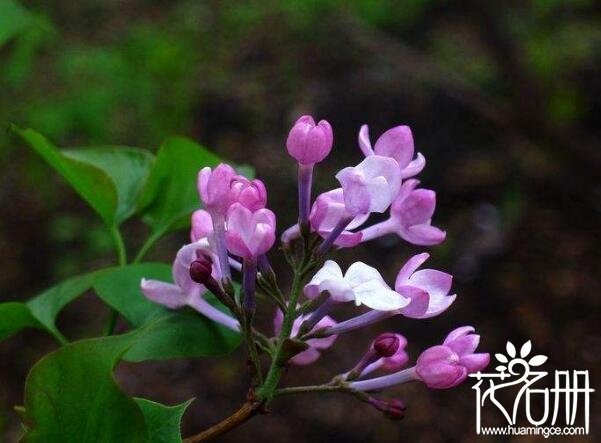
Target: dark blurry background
[(504, 101)]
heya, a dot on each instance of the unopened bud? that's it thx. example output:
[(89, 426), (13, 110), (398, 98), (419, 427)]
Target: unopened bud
[(387, 344), (200, 270), (394, 409)]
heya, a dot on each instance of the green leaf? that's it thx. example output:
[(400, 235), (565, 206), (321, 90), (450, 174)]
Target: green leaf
[(109, 178), (120, 289), (46, 306), (15, 316), (13, 19), (127, 167), (41, 311), (170, 194), (163, 333), (71, 396), (163, 422), (182, 334), (92, 184)]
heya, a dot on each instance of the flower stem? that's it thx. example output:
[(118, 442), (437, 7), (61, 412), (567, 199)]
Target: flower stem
[(247, 411), (122, 261), (307, 389), (266, 391), (149, 243)]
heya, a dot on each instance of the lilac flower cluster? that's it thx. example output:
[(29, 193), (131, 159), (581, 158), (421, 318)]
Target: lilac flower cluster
[(236, 230)]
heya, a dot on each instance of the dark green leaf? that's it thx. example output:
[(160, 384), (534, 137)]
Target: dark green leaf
[(46, 306), (15, 316), (71, 396), (109, 178), (170, 194), (163, 422), (127, 167), (182, 334), (163, 333), (91, 183), (120, 289), (41, 311)]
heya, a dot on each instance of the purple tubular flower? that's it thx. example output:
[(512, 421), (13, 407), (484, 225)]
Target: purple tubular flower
[(327, 211), (185, 291), (310, 143), (410, 217), (249, 234), (371, 186), (427, 289), (316, 345), (396, 143), (249, 193), (214, 188), (447, 365)]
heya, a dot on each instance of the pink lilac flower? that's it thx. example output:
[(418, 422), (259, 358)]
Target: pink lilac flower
[(439, 367), (410, 217), (316, 345), (185, 292), (214, 188), (396, 143), (327, 212), (428, 289), (447, 365), (361, 284), (371, 186), (310, 143), (249, 193), (249, 234)]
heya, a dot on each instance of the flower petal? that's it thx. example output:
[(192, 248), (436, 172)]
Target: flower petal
[(435, 283), (166, 294), (423, 235), (410, 267), (458, 333), (364, 143), (378, 296), (419, 301), (396, 143), (464, 345), (414, 167), (475, 362)]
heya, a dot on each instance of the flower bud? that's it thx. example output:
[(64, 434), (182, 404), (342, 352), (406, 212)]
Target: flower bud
[(214, 187), (250, 194), (309, 143), (387, 344), (447, 365), (200, 270), (394, 409), (249, 234)]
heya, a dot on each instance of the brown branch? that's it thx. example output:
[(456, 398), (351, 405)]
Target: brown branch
[(247, 411)]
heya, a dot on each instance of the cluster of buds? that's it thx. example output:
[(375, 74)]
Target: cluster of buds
[(235, 231)]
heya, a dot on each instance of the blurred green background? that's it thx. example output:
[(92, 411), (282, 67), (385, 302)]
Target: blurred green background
[(504, 101)]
